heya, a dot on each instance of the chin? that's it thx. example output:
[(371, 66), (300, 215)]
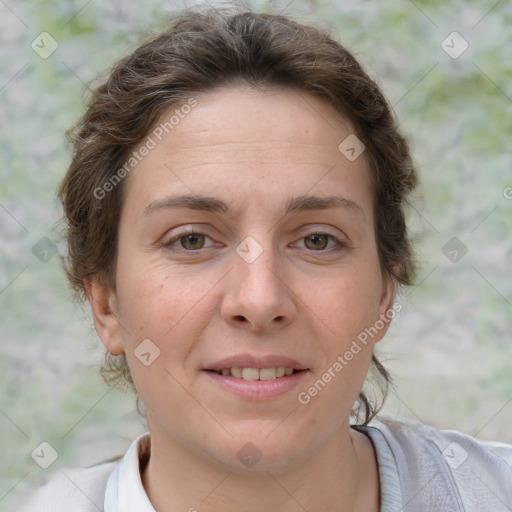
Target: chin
[(256, 451)]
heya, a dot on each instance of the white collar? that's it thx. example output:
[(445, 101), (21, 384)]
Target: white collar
[(125, 492)]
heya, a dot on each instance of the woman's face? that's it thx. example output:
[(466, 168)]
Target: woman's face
[(246, 232)]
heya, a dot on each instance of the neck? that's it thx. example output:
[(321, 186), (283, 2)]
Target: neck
[(342, 476)]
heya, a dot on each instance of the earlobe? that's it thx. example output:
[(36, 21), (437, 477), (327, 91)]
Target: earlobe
[(388, 292), (386, 306), (105, 314)]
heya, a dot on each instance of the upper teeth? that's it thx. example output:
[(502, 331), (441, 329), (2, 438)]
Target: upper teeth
[(257, 373)]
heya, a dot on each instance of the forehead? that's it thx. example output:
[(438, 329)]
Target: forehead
[(250, 114), (239, 139)]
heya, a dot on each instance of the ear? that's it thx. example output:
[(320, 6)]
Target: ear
[(387, 308), (105, 313)]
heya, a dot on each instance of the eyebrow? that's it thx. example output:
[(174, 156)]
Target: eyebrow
[(215, 205)]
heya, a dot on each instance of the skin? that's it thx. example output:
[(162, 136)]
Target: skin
[(255, 150)]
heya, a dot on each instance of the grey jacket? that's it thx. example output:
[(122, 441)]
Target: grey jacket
[(426, 469), (421, 469)]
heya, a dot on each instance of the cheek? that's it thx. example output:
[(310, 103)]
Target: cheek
[(171, 309), (142, 297), (349, 307), (170, 312), (154, 299), (347, 301)]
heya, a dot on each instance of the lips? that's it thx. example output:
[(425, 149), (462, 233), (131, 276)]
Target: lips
[(257, 373), (258, 362), (257, 389), (257, 377)]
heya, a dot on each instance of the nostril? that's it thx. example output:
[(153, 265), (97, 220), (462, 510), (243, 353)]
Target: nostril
[(279, 318), (240, 318)]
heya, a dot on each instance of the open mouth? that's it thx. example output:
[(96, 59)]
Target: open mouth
[(257, 373)]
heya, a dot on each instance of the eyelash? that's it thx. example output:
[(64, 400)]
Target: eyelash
[(169, 245)]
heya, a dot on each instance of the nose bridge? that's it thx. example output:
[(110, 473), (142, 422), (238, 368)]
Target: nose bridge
[(258, 295), (259, 273)]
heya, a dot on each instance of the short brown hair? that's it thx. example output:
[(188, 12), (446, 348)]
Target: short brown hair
[(198, 51)]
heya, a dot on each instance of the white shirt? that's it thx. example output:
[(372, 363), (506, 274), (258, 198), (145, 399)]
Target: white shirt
[(421, 469)]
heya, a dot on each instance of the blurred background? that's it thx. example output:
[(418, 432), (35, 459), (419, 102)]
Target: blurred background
[(446, 67)]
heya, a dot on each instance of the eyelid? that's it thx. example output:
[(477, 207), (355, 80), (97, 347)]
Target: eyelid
[(169, 241), (324, 229), (340, 239), (339, 244)]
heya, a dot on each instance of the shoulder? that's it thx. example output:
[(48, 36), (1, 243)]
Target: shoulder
[(80, 490), (446, 465), (455, 447)]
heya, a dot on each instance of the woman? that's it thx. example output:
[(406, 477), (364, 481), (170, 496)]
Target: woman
[(235, 220)]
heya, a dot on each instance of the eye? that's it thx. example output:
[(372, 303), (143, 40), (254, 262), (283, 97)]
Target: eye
[(320, 241), (196, 241), (189, 242)]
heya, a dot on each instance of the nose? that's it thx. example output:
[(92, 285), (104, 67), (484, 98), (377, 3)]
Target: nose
[(258, 298)]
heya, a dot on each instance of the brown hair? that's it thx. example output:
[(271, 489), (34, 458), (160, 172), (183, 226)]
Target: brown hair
[(198, 51)]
